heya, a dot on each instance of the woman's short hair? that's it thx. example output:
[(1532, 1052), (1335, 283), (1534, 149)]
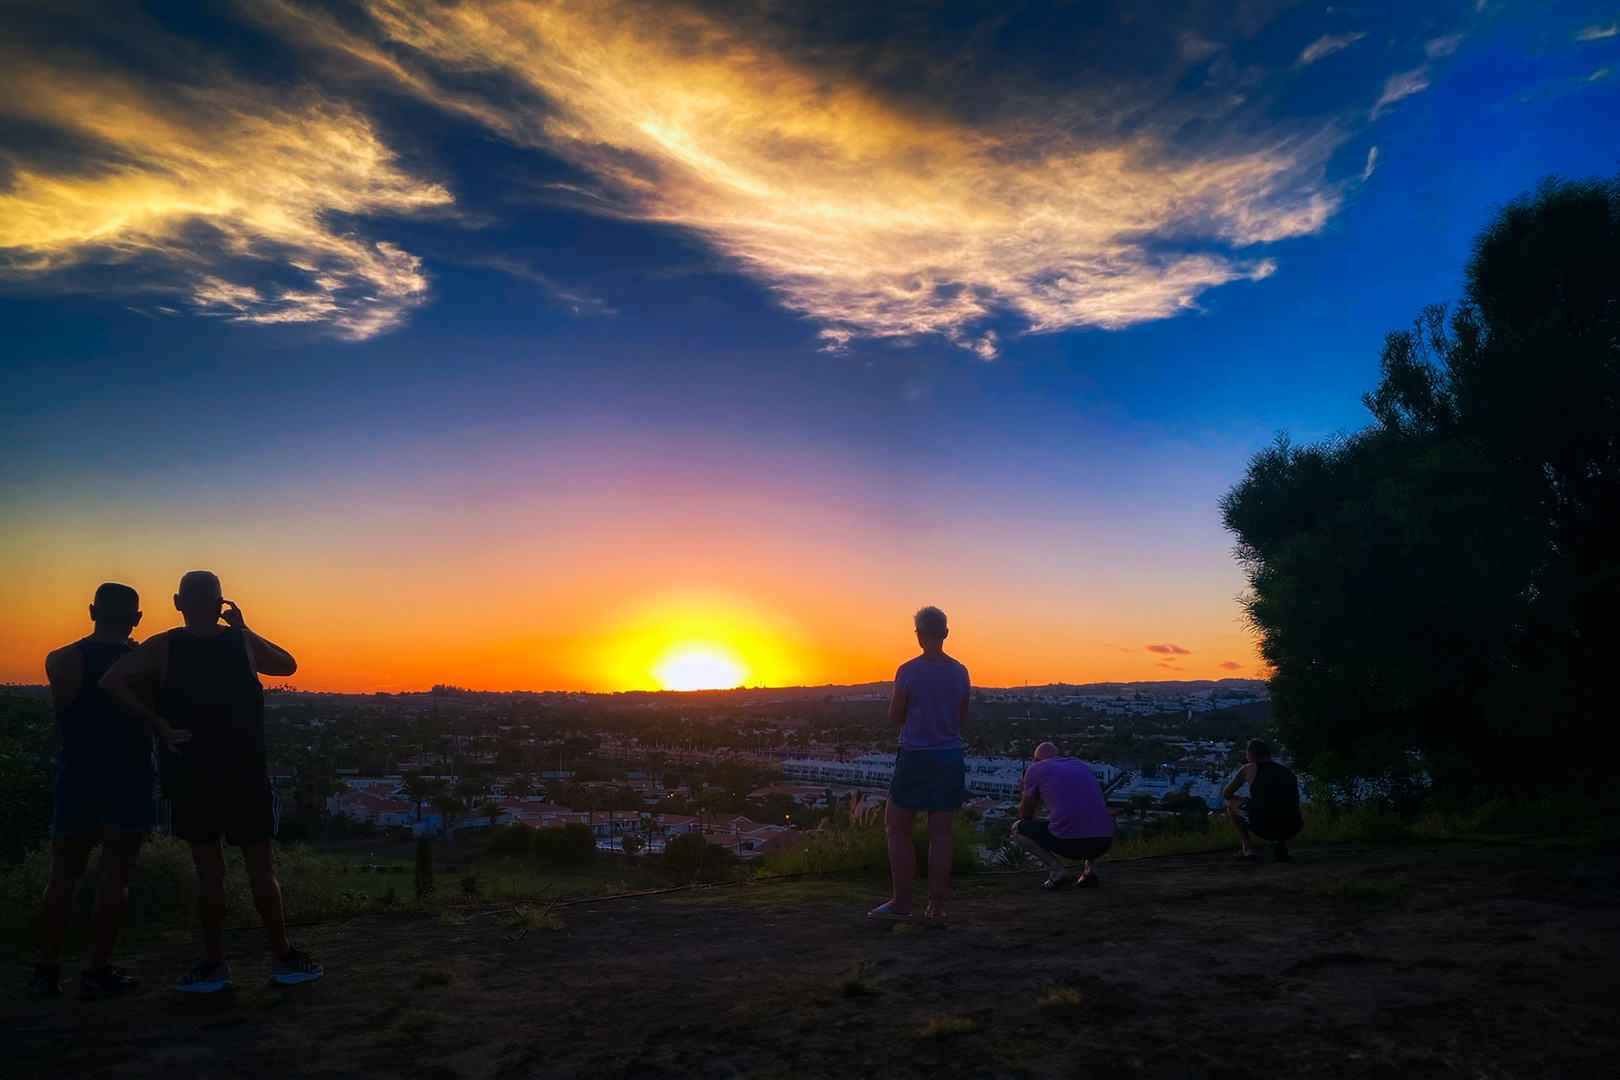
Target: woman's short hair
[(930, 622)]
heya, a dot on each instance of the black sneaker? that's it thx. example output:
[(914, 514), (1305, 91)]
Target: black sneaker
[(295, 967), (47, 981), (1248, 857), (105, 982), (1280, 853), (205, 978)]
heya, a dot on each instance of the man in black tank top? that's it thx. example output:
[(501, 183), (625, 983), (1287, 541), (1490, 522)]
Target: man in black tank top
[(1270, 810), (204, 682), (105, 790)]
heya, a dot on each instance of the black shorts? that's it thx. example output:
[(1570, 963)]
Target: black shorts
[(1064, 847), (1270, 824), (246, 812)]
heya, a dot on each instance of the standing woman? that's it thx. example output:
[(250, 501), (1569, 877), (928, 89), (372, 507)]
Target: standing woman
[(929, 706)]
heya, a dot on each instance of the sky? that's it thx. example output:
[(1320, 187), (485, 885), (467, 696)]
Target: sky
[(615, 345)]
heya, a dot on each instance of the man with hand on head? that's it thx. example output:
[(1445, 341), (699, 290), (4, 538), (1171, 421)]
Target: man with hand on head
[(106, 790), (1080, 826), (204, 680)]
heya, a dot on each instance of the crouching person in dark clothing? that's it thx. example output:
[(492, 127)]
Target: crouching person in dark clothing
[(1271, 808)]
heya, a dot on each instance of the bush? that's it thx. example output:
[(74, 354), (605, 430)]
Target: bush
[(691, 857), (27, 751), (568, 845), (517, 839), (425, 884)]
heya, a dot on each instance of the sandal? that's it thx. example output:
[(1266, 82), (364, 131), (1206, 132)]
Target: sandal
[(882, 912)]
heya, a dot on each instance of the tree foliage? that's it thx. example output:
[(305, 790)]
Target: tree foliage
[(690, 857), (1436, 593), (27, 750)]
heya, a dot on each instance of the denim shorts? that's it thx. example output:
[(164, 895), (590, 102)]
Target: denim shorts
[(928, 780), (95, 794)]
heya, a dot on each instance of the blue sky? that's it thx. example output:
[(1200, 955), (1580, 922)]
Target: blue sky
[(793, 316)]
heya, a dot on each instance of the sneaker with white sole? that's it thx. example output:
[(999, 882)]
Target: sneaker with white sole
[(205, 978), (294, 968), (106, 982)]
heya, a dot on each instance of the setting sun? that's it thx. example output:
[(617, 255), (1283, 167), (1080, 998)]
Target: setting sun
[(699, 665)]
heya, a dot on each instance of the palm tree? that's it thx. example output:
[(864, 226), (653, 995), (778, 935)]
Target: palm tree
[(419, 789), (520, 786), (446, 802)]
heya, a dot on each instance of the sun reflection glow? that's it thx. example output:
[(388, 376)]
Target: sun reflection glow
[(699, 665)]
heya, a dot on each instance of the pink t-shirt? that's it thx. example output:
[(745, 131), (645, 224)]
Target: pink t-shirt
[(934, 694), (1072, 796)]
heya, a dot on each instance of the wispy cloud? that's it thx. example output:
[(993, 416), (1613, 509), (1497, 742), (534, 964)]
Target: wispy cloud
[(230, 198), (1327, 45), (1231, 665), (1400, 86), (1172, 650), (1597, 33), (872, 218)]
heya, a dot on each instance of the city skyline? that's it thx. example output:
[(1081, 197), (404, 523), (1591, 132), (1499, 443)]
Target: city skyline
[(533, 346)]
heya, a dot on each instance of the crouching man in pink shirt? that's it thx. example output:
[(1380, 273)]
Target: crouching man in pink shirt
[(1078, 827)]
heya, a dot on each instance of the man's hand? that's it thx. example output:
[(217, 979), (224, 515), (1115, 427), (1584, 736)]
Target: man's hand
[(174, 738), (233, 616)]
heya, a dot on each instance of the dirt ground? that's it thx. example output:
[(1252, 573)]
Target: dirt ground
[(1408, 962)]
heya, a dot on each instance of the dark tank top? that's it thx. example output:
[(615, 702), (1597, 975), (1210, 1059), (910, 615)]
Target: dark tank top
[(1274, 788), (93, 727), (213, 692)]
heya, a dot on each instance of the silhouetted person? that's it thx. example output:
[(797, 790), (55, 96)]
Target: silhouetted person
[(106, 790), (1080, 826), (1270, 810), (929, 706), (204, 678)]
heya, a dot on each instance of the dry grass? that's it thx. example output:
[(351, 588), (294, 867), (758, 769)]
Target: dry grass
[(854, 985), (529, 918), (945, 1027)]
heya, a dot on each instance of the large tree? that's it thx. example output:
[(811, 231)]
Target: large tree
[(1437, 593)]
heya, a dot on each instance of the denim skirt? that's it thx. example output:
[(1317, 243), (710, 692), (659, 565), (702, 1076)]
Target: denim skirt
[(928, 780)]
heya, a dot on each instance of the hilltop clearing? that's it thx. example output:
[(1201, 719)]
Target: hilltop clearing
[(1496, 962)]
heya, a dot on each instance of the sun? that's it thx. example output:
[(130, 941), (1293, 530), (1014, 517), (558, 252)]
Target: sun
[(699, 665)]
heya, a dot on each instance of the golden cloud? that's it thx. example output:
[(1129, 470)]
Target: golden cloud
[(867, 216), (226, 194)]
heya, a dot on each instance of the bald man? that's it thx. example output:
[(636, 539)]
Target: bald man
[(204, 679), (1079, 826)]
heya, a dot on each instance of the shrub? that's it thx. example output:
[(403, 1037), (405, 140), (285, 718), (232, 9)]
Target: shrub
[(569, 845), (517, 839), (424, 884), (691, 857)]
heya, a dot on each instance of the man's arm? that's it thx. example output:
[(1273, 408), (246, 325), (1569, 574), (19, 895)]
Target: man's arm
[(1027, 807), (267, 657), (133, 678), (1243, 776), (64, 670), (897, 707)]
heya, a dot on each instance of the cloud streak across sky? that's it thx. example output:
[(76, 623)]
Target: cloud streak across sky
[(870, 219), (1024, 206), (222, 197)]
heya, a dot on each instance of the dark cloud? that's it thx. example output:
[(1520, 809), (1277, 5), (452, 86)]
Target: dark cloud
[(1169, 650)]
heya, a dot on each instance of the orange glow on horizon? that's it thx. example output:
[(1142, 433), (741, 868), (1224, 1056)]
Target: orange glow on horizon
[(700, 665)]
